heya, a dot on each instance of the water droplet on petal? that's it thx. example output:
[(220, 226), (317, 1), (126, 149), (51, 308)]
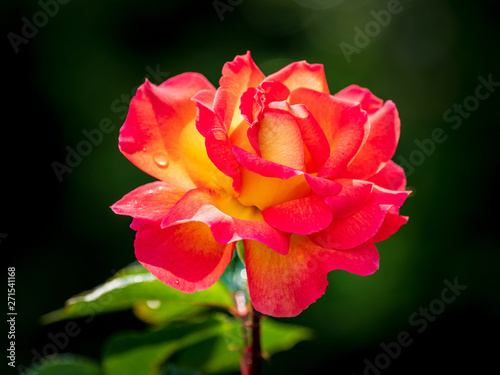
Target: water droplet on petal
[(161, 159), (177, 281)]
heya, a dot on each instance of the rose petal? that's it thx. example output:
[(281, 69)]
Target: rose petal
[(353, 230), (219, 151), (239, 137), (392, 177), (284, 286), (252, 105), (159, 135), (274, 91), (369, 102), (317, 146), (281, 183), (351, 198), (205, 97), (237, 76), (276, 190), (228, 220), (206, 119), (175, 257), (391, 225), (280, 140), (344, 124), (380, 145), (322, 186), (218, 146), (302, 216), (262, 166), (301, 75), (151, 201)]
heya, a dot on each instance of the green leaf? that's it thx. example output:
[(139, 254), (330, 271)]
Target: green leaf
[(174, 370), (277, 337), (223, 353), (161, 313), (65, 364), (131, 285), (143, 353)]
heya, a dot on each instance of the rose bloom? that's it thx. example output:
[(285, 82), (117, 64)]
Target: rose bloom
[(302, 177)]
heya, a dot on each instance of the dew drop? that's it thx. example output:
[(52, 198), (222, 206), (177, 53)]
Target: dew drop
[(161, 159), (177, 281)]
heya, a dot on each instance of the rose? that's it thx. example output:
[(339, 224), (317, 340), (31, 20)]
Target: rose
[(303, 177)]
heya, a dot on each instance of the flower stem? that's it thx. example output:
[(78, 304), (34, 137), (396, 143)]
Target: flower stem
[(256, 352), (252, 355)]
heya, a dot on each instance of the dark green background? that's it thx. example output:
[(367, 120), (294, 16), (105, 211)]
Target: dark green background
[(85, 63)]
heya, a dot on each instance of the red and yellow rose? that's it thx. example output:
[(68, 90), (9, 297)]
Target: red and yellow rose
[(304, 178)]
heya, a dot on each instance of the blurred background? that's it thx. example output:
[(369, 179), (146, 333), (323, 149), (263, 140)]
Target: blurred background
[(76, 68)]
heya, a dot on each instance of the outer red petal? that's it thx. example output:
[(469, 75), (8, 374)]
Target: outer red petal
[(353, 230), (391, 225), (322, 186), (301, 75), (301, 216), (175, 257), (351, 198), (151, 135), (380, 145), (237, 76), (200, 206), (151, 201), (344, 124), (369, 102), (284, 286), (391, 177)]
